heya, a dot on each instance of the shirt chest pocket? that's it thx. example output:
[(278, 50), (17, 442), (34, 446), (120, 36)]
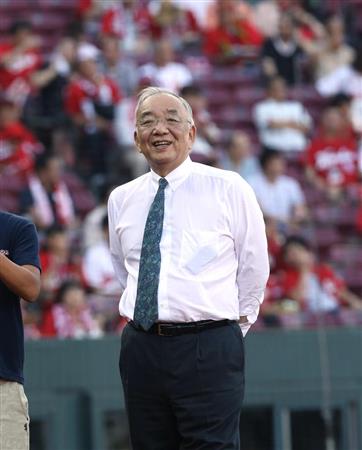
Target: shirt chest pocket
[(198, 249)]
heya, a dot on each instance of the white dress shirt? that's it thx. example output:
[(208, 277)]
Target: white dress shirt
[(283, 139), (214, 261), (278, 199), (173, 76), (98, 269)]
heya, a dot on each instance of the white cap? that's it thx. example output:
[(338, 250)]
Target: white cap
[(87, 51)]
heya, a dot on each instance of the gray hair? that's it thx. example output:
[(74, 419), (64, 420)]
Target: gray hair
[(153, 90)]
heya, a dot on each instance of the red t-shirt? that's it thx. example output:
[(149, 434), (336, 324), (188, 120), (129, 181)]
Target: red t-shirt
[(60, 272), (186, 23), (219, 41), (81, 93), (18, 147), (21, 67), (330, 282), (334, 160), (114, 21)]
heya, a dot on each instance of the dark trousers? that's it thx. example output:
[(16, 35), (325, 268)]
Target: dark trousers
[(183, 392)]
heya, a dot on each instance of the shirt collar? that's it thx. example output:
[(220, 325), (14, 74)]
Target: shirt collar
[(177, 176)]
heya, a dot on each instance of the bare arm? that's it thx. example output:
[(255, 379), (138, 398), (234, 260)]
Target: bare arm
[(352, 299), (24, 281), (268, 66), (288, 124), (43, 77)]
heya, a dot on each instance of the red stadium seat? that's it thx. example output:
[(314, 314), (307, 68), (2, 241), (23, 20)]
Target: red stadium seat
[(249, 96), (345, 255)]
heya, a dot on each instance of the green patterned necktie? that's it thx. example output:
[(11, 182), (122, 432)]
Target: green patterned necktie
[(146, 308)]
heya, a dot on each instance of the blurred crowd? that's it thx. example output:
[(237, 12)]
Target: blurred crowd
[(276, 92)]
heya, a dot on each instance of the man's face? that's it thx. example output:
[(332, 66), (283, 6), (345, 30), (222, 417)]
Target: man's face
[(298, 257), (51, 174), (163, 133), (278, 90), (275, 168), (285, 27), (88, 68)]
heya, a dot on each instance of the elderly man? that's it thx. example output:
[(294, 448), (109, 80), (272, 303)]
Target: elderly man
[(189, 248), (19, 277)]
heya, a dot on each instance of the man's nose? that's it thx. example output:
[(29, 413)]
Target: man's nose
[(161, 127)]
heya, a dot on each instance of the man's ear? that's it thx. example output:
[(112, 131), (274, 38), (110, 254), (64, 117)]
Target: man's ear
[(192, 135), (136, 141)]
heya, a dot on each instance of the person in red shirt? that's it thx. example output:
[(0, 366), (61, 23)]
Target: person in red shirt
[(19, 59), (172, 21), (18, 146), (332, 156), (131, 22), (313, 286), (46, 199), (58, 263), (90, 100), (227, 42), (70, 316)]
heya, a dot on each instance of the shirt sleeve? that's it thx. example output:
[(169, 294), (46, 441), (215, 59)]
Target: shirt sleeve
[(73, 99), (251, 250), (296, 193), (115, 244), (333, 83), (91, 268), (305, 117), (26, 245), (261, 116)]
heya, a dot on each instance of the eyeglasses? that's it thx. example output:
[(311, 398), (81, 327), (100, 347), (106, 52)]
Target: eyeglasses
[(169, 122)]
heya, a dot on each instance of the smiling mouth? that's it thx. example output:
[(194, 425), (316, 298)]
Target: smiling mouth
[(161, 145)]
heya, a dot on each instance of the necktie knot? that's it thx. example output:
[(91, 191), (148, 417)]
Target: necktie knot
[(162, 182)]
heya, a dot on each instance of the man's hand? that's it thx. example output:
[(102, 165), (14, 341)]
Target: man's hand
[(24, 281)]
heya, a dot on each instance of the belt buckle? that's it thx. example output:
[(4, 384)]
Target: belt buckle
[(159, 330)]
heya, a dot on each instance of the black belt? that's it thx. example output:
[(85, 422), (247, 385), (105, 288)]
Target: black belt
[(176, 329)]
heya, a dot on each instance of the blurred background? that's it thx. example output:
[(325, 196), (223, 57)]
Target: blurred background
[(276, 91)]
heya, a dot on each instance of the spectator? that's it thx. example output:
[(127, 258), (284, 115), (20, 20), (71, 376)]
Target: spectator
[(199, 10), (31, 316), (164, 71), (208, 134), (313, 286), (332, 157), (58, 263), (88, 18), (123, 130), (19, 58), (330, 52), (238, 156), (90, 100), (280, 197), (275, 241), (97, 266), (229, 40), (342, 102), (346, 79), (117, 66), (282, 124), (173, 21), (18, 146), (281, 54), (92, 232), (51, 80), (306, 25), (47, 199), (70, 316), (130, 21)]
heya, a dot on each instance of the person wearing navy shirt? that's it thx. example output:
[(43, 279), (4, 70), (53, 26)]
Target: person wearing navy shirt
[(19, 278)]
